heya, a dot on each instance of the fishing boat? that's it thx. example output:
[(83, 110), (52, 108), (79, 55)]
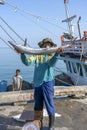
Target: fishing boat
[(75, 49), (75, 56)]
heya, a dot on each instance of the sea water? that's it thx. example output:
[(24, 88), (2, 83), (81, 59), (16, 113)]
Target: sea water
[(10, 61)]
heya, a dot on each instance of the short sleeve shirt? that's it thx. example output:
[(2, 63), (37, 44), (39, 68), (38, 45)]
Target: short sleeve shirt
[(17, 81)]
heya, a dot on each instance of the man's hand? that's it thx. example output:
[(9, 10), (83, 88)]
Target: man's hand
[(60, 50)]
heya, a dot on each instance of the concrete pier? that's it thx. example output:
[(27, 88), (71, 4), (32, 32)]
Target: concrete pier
[(28, 95)]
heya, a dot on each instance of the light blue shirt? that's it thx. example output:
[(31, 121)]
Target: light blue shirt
[(43, 67)]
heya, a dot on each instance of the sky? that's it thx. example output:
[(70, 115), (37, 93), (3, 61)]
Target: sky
[(38, 19)]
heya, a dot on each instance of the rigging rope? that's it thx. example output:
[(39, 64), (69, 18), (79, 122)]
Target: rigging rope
[(11, 28), (7, 33), (6, 42), (30, 13), (56, 69), (63, 81), (36, 16)]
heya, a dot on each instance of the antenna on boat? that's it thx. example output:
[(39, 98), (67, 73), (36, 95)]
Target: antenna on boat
[(68, 20), (79, 27), (25, 42)]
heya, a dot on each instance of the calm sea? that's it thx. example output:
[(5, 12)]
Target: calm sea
[(10, 61)]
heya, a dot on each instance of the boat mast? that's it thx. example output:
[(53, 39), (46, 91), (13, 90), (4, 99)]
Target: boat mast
[(79, 27), (68, 18)]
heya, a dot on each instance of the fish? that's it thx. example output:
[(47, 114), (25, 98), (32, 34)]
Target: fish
[(35, 51)]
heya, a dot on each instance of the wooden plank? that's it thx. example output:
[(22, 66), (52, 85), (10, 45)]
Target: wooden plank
[(32, 116), (16, 96), (28, 115), (73, 90), (19, 96)]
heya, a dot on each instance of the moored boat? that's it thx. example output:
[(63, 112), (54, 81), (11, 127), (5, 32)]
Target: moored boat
[(75, 56)]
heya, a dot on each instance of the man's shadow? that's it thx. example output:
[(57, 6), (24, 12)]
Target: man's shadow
[(7, 123)]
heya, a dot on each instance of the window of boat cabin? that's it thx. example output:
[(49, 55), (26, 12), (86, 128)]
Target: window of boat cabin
[(85, 67), (67, 66), (79, 68), (70, 69), (74, 67)]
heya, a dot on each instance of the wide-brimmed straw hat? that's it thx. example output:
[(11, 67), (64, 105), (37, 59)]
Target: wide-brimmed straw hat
[(47, 40)]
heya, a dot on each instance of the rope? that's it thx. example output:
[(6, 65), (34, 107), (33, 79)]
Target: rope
[(7, 33), (6, 42), (60, 79), (30, 13), (37, 16), (63, 81), (11, 28)]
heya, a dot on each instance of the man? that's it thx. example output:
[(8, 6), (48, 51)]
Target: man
[(17, 81), (44, 78)]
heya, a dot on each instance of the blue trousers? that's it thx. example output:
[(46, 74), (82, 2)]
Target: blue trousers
[(44, 94)]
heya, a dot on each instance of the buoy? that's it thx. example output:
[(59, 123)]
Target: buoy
[(85, 35), (62, 38)]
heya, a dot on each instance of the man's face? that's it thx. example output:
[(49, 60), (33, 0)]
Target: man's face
[(46, 45), (17, 73)]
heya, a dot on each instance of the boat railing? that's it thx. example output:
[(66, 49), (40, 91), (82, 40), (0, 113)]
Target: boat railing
[(77, 47)]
